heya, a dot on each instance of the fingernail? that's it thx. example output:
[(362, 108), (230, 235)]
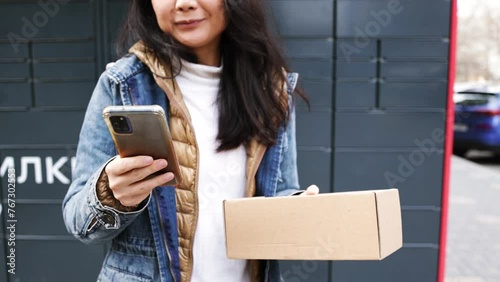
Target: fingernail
[(161, 163), (148, 160), (168, 176)]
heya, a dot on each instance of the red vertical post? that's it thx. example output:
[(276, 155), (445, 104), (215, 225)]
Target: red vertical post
[(448, 146)]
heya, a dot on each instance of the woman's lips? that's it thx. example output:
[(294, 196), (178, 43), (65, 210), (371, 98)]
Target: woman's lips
[(188, 23)]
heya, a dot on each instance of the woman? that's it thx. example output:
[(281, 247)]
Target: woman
[(215, 68)]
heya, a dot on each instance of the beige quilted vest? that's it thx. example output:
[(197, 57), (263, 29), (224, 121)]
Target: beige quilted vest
[(186, 149)]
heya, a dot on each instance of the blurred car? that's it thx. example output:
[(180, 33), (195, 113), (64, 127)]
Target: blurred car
[(477, 120)]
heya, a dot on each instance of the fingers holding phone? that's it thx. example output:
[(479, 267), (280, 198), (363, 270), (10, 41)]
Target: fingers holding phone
[(132, 179), (142, 131)]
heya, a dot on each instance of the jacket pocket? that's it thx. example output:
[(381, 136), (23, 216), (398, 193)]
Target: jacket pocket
[(120, 267), (112, 274)]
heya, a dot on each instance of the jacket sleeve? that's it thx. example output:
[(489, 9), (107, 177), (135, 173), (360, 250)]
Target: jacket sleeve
[(288, 182), (84, 215)]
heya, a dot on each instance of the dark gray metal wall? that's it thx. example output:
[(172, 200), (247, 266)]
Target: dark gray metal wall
[(376, 73)]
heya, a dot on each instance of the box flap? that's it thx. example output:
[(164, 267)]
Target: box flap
[(389, 221)]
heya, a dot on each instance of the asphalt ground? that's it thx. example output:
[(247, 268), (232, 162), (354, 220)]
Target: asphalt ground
[(473, 247)]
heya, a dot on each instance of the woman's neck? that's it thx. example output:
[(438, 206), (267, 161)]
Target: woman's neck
[(209, 55)]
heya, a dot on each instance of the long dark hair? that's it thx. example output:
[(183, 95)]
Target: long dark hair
[(250, 101)]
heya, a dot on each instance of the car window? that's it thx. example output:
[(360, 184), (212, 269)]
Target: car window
[(473, 98)]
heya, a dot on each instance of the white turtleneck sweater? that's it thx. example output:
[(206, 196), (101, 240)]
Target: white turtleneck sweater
[(220, 176)]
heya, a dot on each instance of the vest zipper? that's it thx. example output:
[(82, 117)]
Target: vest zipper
[(196, 203), (188, 121), (193, 233), (164, 241)]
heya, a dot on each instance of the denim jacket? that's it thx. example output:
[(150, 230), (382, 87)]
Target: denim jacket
[(144, 243)]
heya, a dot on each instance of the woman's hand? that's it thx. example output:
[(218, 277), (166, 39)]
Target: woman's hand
[(127, 178), (311, 190)]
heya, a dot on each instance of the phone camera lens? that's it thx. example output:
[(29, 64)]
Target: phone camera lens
[(120, 124)]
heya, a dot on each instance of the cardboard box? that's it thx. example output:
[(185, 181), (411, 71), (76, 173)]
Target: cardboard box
[(362, 225)]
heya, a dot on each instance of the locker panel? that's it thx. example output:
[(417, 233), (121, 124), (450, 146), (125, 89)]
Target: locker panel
[(3, 270), (64, 94), (355, 48), (319, 93), (413, 95), (293, 21), (421, 226), (417, 175), (387, 130), (314, 129), (117, 14), (83, 49), (63, 70), (414, 49), (407, 264), (45, 220), (433, 70), (14, 70), (358, 94), (356, 69), (48, 260), (38, 127), (309, 48), (3, 251), (311, 270), (31, 21), (314, 167), (8, 51), (15, 95), (319, 70), (392, 18)]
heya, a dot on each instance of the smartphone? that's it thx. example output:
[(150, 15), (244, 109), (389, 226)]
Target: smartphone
[(143, 130)]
